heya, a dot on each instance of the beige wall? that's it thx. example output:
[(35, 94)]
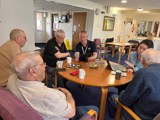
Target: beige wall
[(17, 14)]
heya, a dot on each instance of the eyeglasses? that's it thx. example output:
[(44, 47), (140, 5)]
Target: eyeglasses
[(42, 64)]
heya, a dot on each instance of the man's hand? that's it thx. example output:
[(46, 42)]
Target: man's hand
[(70, 100), (76, 59), (130, 70), (65, 91)]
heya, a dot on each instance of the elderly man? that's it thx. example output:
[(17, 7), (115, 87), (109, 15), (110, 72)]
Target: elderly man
[(52, 104), (8, 51), (85, 49), (142, 94), (55, 50)]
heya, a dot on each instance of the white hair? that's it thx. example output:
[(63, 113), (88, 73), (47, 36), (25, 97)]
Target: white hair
[(151, 56), (59, 32), (23, 62)]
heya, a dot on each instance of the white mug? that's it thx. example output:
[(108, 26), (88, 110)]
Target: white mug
[(60, 64), (69, 60), (82, 73)]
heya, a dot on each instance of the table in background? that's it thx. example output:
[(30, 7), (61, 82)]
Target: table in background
[(121, 45), (100, 77)]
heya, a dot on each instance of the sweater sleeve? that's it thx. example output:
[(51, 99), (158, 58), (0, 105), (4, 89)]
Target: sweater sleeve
[(134, 90)]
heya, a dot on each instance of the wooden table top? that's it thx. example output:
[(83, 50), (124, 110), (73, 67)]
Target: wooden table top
[(119, 43), (100, 77)]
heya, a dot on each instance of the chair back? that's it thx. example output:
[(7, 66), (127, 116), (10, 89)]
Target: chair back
[(109, 40), (133, 41), (11, 108), (135, 44), (97, 41)]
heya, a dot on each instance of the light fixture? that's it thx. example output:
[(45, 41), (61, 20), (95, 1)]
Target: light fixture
[(123, 1), (140, 9)]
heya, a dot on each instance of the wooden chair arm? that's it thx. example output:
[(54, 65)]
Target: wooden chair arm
[(93, 113), (90, 115), (127, 109)]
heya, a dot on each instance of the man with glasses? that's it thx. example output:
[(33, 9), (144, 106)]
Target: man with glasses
[(8, 51), (26, 84), (55, 50)]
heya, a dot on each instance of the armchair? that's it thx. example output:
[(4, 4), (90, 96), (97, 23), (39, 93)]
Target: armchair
[(11, 108), (128, 110)]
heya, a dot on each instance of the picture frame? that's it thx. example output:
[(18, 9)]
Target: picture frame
[(108, 23)]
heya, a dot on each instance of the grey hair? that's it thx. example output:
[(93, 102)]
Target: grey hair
[(59, 32), (151, 56), (23, 62), (15, 33)]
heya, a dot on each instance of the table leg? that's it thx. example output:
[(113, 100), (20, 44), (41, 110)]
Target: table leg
[(103, 103), (113, 49), (130, 47), (120, 54)]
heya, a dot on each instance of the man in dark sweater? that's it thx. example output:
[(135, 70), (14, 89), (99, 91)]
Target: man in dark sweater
[(85, 49), (142, 94), (55, 50)]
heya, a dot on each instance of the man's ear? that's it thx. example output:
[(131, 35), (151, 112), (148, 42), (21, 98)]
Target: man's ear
[(17, 40), (144, 63), (32, 71)]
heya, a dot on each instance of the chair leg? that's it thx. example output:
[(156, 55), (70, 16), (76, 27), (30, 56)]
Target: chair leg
[(118, 113)]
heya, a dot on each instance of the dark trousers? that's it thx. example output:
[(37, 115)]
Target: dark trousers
[(61, 82)]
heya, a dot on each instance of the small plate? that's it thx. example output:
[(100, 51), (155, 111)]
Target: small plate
[(94, 66)]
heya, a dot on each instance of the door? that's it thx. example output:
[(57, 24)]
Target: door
[(55, 22), (79, 24)]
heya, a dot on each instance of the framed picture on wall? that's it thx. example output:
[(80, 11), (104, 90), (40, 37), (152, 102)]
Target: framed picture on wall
[(108, 23)]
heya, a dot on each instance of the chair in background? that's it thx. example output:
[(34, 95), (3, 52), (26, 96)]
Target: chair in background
[(97, 41), (11, 108), (109, 47), (99, 46), (90, 115), (134, 47)]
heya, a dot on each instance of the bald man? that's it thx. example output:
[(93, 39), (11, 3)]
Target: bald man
[(8, 51)]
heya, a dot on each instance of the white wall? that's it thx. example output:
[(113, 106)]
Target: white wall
[(139, 17), (98, 23), (17, 14)]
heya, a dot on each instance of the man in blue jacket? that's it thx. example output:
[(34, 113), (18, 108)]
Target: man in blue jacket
[(142, 94)]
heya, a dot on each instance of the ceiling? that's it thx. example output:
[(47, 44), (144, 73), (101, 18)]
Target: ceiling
[(44, 5), (131, 4), (148, 5)]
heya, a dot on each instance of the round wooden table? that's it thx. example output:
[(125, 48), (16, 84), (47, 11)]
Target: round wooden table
[(100, 77)]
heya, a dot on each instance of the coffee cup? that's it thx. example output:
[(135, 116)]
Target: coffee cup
[(60, 64), (118, 75), (69, 60), (82, 73)]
